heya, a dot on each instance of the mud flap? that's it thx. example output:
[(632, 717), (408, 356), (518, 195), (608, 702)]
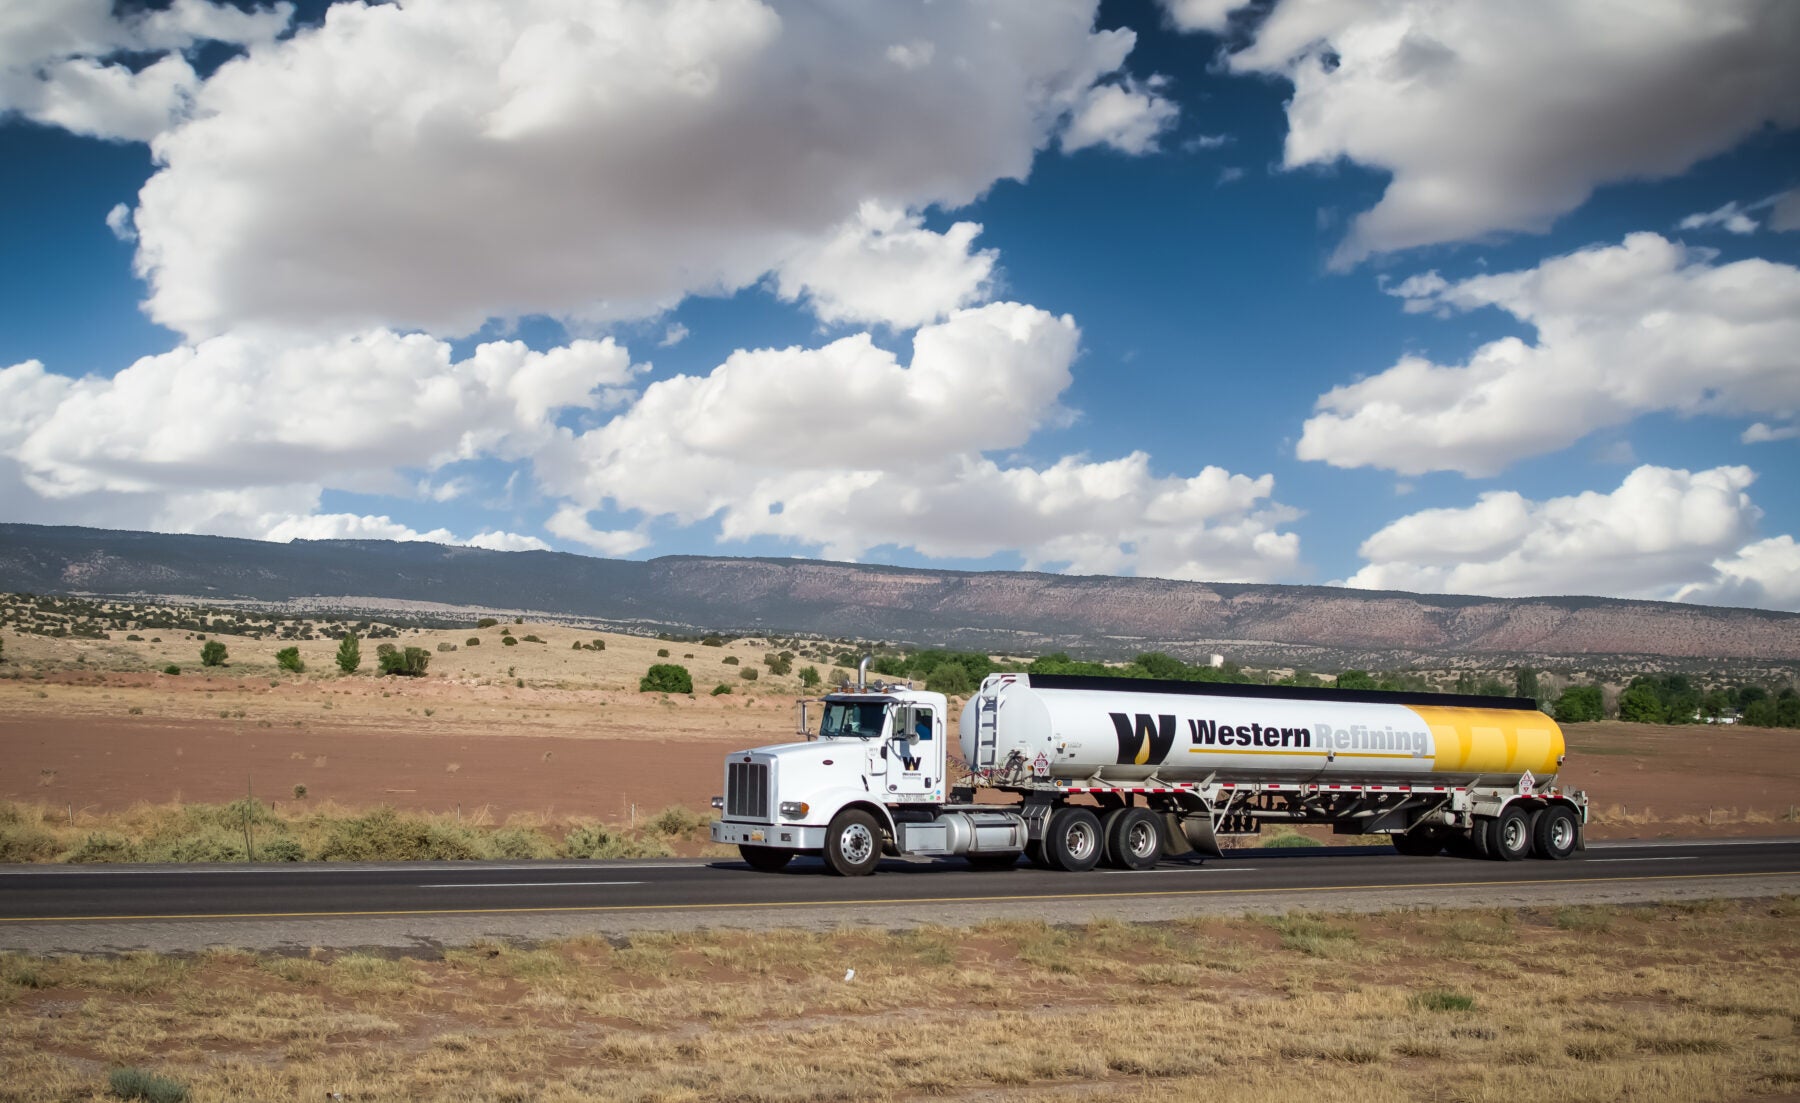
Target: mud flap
[(1174, 840), (1199, 832)]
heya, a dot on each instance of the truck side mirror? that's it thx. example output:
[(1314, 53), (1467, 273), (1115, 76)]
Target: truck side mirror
[(905, 724)]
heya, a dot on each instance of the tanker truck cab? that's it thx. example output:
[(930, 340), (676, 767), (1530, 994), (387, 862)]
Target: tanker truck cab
[(875, 762)]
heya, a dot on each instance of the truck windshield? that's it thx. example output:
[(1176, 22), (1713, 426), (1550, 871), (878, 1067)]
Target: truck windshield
[(852, 720)]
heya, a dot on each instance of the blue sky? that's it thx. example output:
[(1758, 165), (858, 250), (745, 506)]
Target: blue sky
[(1410, 295)]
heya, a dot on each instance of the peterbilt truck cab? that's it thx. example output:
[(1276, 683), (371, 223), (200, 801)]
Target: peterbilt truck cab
[(869, 780)]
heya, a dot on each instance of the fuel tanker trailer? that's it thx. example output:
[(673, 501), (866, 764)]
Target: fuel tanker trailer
[(1123, 771)]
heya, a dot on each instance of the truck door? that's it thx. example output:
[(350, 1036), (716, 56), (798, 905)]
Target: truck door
[(915, 746)]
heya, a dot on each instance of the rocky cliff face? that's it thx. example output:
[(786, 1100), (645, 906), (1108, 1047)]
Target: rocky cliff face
[(995, 610)]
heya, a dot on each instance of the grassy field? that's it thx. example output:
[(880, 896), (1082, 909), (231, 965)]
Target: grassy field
[(1693, 1002)]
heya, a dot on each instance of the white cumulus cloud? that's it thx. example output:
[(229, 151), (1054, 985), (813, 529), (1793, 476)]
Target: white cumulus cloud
[(1622, 330), (60, 62), (1502, 116), (1730, 218), (884, 267), (1128, 117), (351, 526), (1663, 533), (846, 449), (589, 159)]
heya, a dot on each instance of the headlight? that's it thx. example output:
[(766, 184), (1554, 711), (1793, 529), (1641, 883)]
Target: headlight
[(718, 802), (794, 809)]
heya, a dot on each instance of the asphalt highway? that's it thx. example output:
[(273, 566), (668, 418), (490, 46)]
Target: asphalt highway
[(71, 895)]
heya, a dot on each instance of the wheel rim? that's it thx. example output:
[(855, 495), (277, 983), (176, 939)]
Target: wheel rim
[(1140, 840), (1562, 833), (1512, 833), (857, 843), (1079, 841)]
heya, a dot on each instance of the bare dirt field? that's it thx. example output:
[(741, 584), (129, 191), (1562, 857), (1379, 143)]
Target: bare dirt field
[(547, 730)]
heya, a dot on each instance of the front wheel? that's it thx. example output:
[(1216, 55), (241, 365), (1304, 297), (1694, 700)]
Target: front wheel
[(767, 859), (852, 843)]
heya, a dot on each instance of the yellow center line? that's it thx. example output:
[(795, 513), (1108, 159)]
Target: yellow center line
[(895, 900)]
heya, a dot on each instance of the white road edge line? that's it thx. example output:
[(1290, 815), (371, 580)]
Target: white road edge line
[(525, 884), (1670, 858)]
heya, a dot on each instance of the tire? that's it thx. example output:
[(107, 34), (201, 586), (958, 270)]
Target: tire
[(1480, 835), (1133, 839), (766, 859), (1072, 840), (1423, 841), (1034, 853), (852, 843), (1509, 839), (992, 861), (1557, 833)]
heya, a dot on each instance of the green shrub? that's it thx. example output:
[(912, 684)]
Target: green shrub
[(598, 645), (748, 674), (280, 849), (1579, 705), (135, 1083), (532, 639), (409, 662), (212, 654), (721, 690), (171, 669), (508, 641), (472, 641), (675, 821), (349, 653), (486, 622), (518, 843), (950, 678), (103, 846), (22, 842), (662, 652), (288, 659), (1289, 839), (713, 641), (809, 676), (595, 841), (730, 660), (666, 678), (384, 835)]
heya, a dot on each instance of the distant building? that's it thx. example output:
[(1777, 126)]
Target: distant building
[(1217, 661)]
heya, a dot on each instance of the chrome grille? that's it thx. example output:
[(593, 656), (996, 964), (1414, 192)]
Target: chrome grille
[(747, 790)]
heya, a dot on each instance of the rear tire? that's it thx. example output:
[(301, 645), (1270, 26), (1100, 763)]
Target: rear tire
[(852, 843), (1072, 841), (1034, 853), (766, 859), (1480, 835), (1509, 839), (1423, 841), (1557, 833), (1133, 839)]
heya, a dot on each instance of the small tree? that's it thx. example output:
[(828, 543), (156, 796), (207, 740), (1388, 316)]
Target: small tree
[(1641, 705), (1355, 679), (779, 662), (212, 653), (349, 653), (1525, 682), (288, 659), (809, 676), (666, 678), (410, 662), (1579, 705), (949, 678), (486, 622)]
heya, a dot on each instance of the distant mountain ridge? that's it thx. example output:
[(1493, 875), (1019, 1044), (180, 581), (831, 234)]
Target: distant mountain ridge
[(997, 610)]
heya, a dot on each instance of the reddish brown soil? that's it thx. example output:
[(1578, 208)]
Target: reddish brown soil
[(1644, 781)]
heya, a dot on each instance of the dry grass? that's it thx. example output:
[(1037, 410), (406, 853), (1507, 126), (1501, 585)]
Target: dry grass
[(1690, 1002), (38, 832)]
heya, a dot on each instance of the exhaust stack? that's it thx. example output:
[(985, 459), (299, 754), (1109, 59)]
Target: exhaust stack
[(862, 672)]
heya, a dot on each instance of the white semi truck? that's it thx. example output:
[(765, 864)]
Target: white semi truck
[(1075, 771)]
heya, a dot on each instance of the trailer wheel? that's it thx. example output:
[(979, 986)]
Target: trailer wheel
[(767, 859), (1133, 839), (1423, 841), (1480, 835), (852, 843), (1072, 841), (1557, 833), (1509, 834), (1034, 853)]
